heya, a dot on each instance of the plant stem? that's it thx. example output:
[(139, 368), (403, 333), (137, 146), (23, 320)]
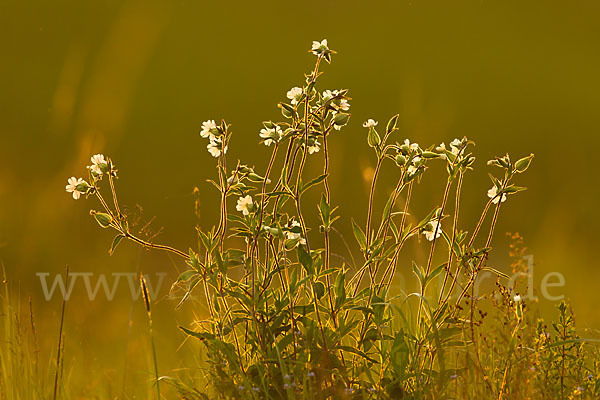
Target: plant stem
[(59, 350)]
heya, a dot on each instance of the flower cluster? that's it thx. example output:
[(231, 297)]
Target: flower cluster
[(336, 101), (99, 164), (294, 232), (321, 49), (217, 137), (271, 133), (456, 146), (99, 167)]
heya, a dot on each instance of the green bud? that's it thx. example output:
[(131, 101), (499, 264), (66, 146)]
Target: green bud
[(373, 138), (400, 160), (504, 161), (430, 154), (103, 219), (522, 165), (83, 187), (391, 125)]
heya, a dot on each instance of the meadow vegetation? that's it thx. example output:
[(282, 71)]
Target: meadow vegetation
[(287, 318)]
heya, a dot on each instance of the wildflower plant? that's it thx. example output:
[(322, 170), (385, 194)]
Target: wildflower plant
[(285, 319)]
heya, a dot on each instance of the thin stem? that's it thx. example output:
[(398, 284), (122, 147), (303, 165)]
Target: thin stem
[(326, 230), (371, 198), (392, 264), (454, 226), (114, 193), (59, 350), (433, 241), (134, 238)]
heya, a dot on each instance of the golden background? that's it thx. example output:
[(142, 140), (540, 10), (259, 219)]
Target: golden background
[(135, 79)]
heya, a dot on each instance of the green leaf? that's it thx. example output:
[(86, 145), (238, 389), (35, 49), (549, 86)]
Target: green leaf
[(115, 243), (399, 354), (419, 274), (358, 353), (305, 259), (324, 211), (341, 119), (359, 235), (428, 218), (513, 189), (388, 208), (279, 193), (198, 335), (495, 271), (319, 289), (287, 110), (194, 262), (186, 275), (312, 183), (433, 274), (340, 289)]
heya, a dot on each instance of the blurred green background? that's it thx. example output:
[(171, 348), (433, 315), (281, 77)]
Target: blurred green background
[(135, 79)]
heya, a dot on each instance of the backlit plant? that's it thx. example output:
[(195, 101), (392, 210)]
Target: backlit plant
[(287, 320)]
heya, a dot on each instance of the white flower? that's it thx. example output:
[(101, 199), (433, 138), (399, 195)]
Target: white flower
[(344, 105), (293, 235), (328, 94), (207, 127), (314, 148), (370, 123), (455, 146), (517, 298), (492, 194), (416, 160), (412, 146), (411, 170), (215, 147), (97, 162), (442, 149), (433, 231), (271, 135), (319, 47), (294, 93), (243, 204), (73, 184)]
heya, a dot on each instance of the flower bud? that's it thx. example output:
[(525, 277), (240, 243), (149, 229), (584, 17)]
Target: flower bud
[(103, 219)]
